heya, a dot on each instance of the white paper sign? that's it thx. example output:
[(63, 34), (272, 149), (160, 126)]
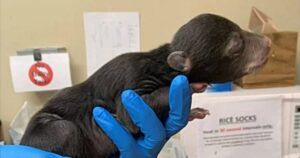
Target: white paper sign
[(244, 129), (52, 73), (108, 35), (294, 136)]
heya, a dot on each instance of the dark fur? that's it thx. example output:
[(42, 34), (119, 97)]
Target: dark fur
[(212, 49)]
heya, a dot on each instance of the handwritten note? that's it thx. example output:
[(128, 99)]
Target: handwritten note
[(108, 35)]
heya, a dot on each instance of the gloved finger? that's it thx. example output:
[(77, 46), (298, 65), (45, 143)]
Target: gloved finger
[(180, 98), (21, 151), (144, 117), (115, 131)]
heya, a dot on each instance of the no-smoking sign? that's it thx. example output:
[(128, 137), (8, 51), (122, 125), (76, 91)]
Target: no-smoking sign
[(40, 74)]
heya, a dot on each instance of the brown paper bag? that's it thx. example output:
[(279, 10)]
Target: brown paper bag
[(280, 71), (260, 22)]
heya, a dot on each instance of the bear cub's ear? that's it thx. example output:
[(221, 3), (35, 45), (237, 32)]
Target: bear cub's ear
[(234, 45), (178, 61)]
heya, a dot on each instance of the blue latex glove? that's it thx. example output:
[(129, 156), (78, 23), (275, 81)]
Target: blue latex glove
[(155, 133), (21, 151)]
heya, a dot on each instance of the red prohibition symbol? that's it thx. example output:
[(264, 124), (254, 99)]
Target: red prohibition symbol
[(40, 74)]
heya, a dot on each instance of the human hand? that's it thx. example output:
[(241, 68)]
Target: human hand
[(155, 133)]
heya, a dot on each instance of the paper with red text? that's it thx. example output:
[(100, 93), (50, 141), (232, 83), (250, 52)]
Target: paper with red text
[(240, 128)]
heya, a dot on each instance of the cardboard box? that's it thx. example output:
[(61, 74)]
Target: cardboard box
[(280, 71)]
